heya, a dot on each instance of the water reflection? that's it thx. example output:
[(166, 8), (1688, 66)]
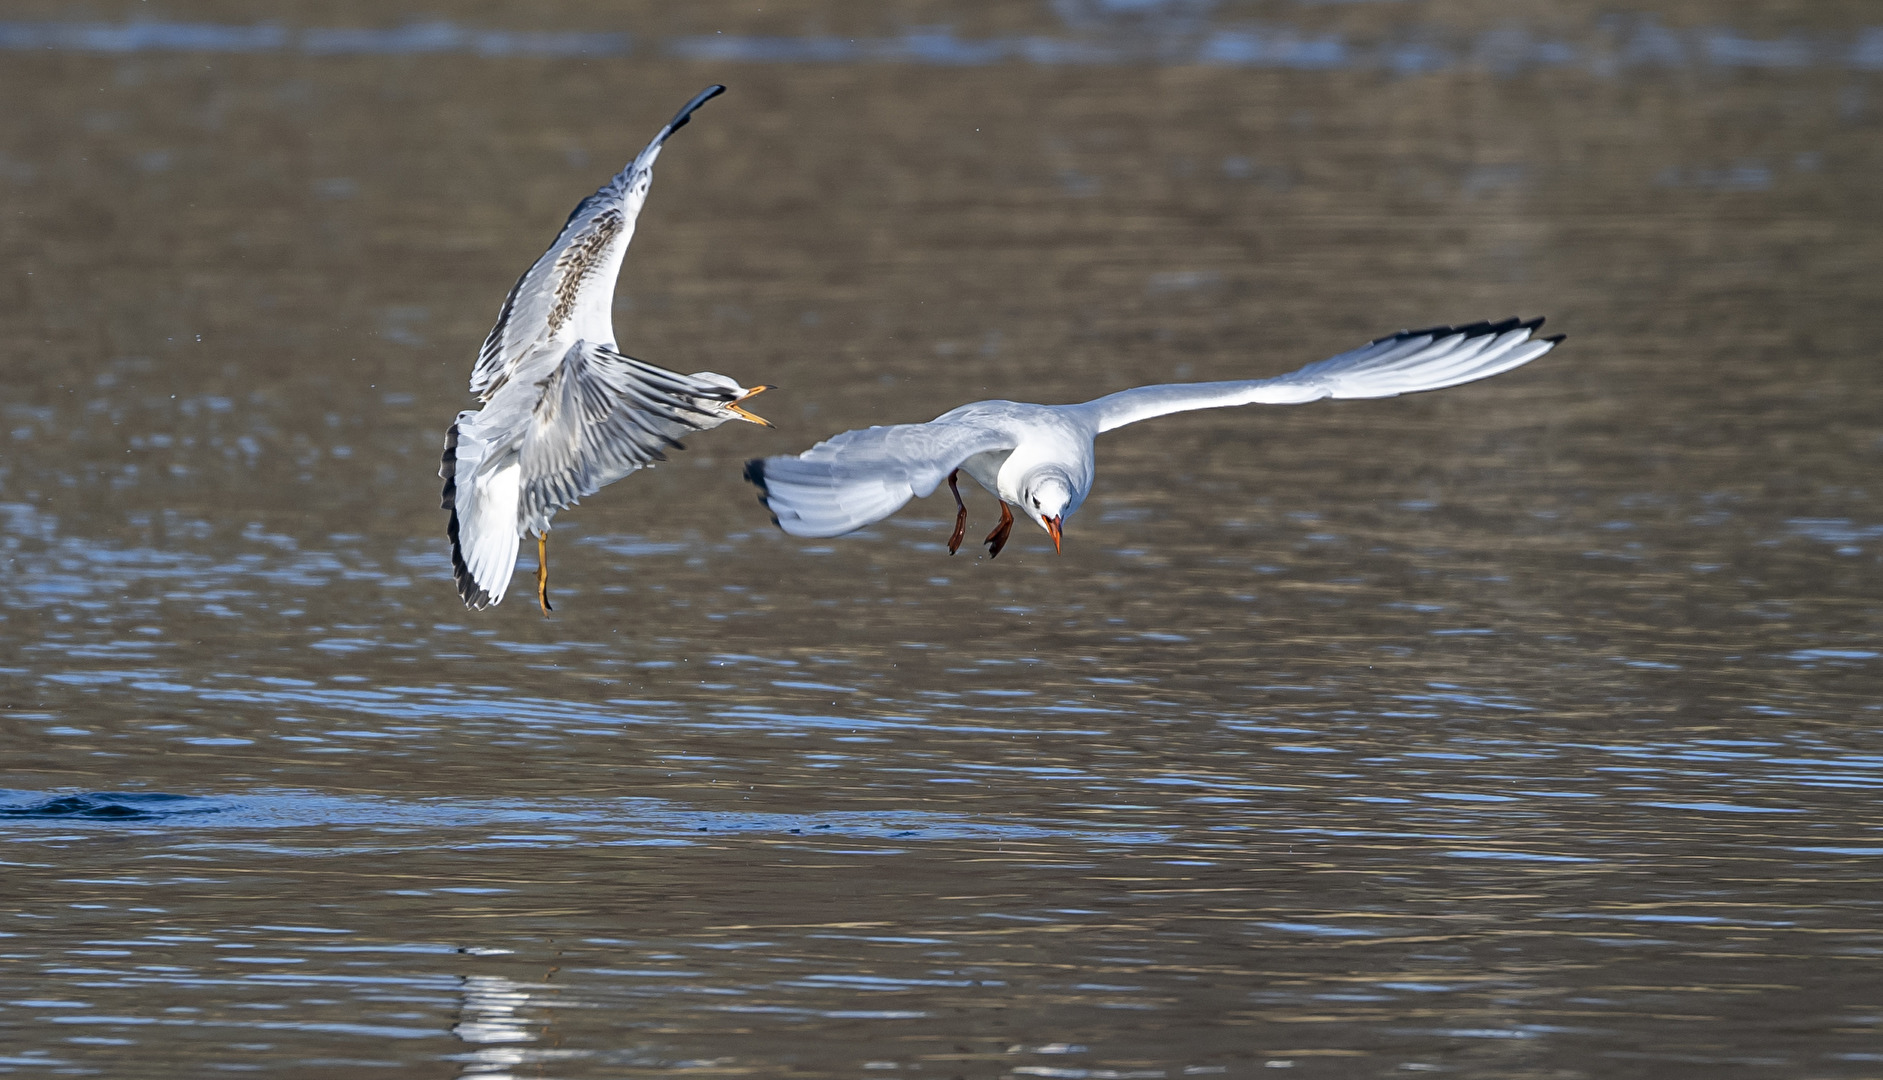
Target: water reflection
[(494, 1021)]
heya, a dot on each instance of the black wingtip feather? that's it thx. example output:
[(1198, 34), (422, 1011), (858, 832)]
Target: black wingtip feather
[(686, 111), (755, 471), (1473, 330), (448, 469), (755, 474)]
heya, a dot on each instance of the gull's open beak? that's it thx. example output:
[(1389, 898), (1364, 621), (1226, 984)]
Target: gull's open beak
[(751, 417), (1052, 529)]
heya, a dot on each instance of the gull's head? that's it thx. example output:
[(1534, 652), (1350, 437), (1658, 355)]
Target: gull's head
[(730, 410), (1046, 497)]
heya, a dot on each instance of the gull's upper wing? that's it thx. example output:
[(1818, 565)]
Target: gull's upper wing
[(568, 294), (1401, 363), (601, 416), (858, 477)]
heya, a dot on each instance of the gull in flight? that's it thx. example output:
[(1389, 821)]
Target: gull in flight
[(565, 414), (1039, 457)]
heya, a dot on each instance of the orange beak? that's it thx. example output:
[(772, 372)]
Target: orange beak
[(1052, 530), (752, 417)]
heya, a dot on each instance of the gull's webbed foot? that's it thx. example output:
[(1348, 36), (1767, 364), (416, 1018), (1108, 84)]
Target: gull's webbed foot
[(961, 515), (998, 538), (542, 572)]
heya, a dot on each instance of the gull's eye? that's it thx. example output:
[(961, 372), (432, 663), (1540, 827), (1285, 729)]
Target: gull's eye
[(1036, 503)]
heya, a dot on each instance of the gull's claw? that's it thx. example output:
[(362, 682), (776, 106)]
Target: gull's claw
[(998, 538)]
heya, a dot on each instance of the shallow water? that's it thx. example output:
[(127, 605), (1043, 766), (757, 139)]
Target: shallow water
[(1528, 728)]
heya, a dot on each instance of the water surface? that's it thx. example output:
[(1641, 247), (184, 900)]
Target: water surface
[(1524, 729)]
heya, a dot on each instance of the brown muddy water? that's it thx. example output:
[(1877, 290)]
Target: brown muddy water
[(1525, 729)]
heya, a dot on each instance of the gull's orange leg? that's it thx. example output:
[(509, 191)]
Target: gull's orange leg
[(961, 515), (542, 571), (998, 538)]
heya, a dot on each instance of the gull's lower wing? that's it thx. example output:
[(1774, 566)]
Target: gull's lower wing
[(858, 477), (569, 292), (481, 492), (1402, 363), (601, 416)]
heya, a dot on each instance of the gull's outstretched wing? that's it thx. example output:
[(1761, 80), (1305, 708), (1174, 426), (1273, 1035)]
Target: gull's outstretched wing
[(539, 447), (1402, 363), (601, 416), (858, 477), (568, 294)]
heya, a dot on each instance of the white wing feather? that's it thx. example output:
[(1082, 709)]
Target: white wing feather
[(481, 491), (568, 294), (600, 416), (1403, 363), (858, 477)]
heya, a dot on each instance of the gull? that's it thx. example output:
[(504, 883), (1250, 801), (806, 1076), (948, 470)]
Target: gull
[(1040, 457), (565, 413)]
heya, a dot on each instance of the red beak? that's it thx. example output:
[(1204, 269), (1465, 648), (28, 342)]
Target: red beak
[(1052, 529)]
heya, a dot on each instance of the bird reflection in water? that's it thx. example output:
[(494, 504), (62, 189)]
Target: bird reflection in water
[(492, 1020)]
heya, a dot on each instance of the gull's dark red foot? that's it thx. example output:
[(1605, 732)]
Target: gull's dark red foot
[(961, 515), (998, 538), (542, 572)]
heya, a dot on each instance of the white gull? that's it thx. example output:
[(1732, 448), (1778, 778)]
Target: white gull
[(1040, 457), (565, 414)]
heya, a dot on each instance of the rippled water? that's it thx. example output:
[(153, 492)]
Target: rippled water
[(1529, 728)]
